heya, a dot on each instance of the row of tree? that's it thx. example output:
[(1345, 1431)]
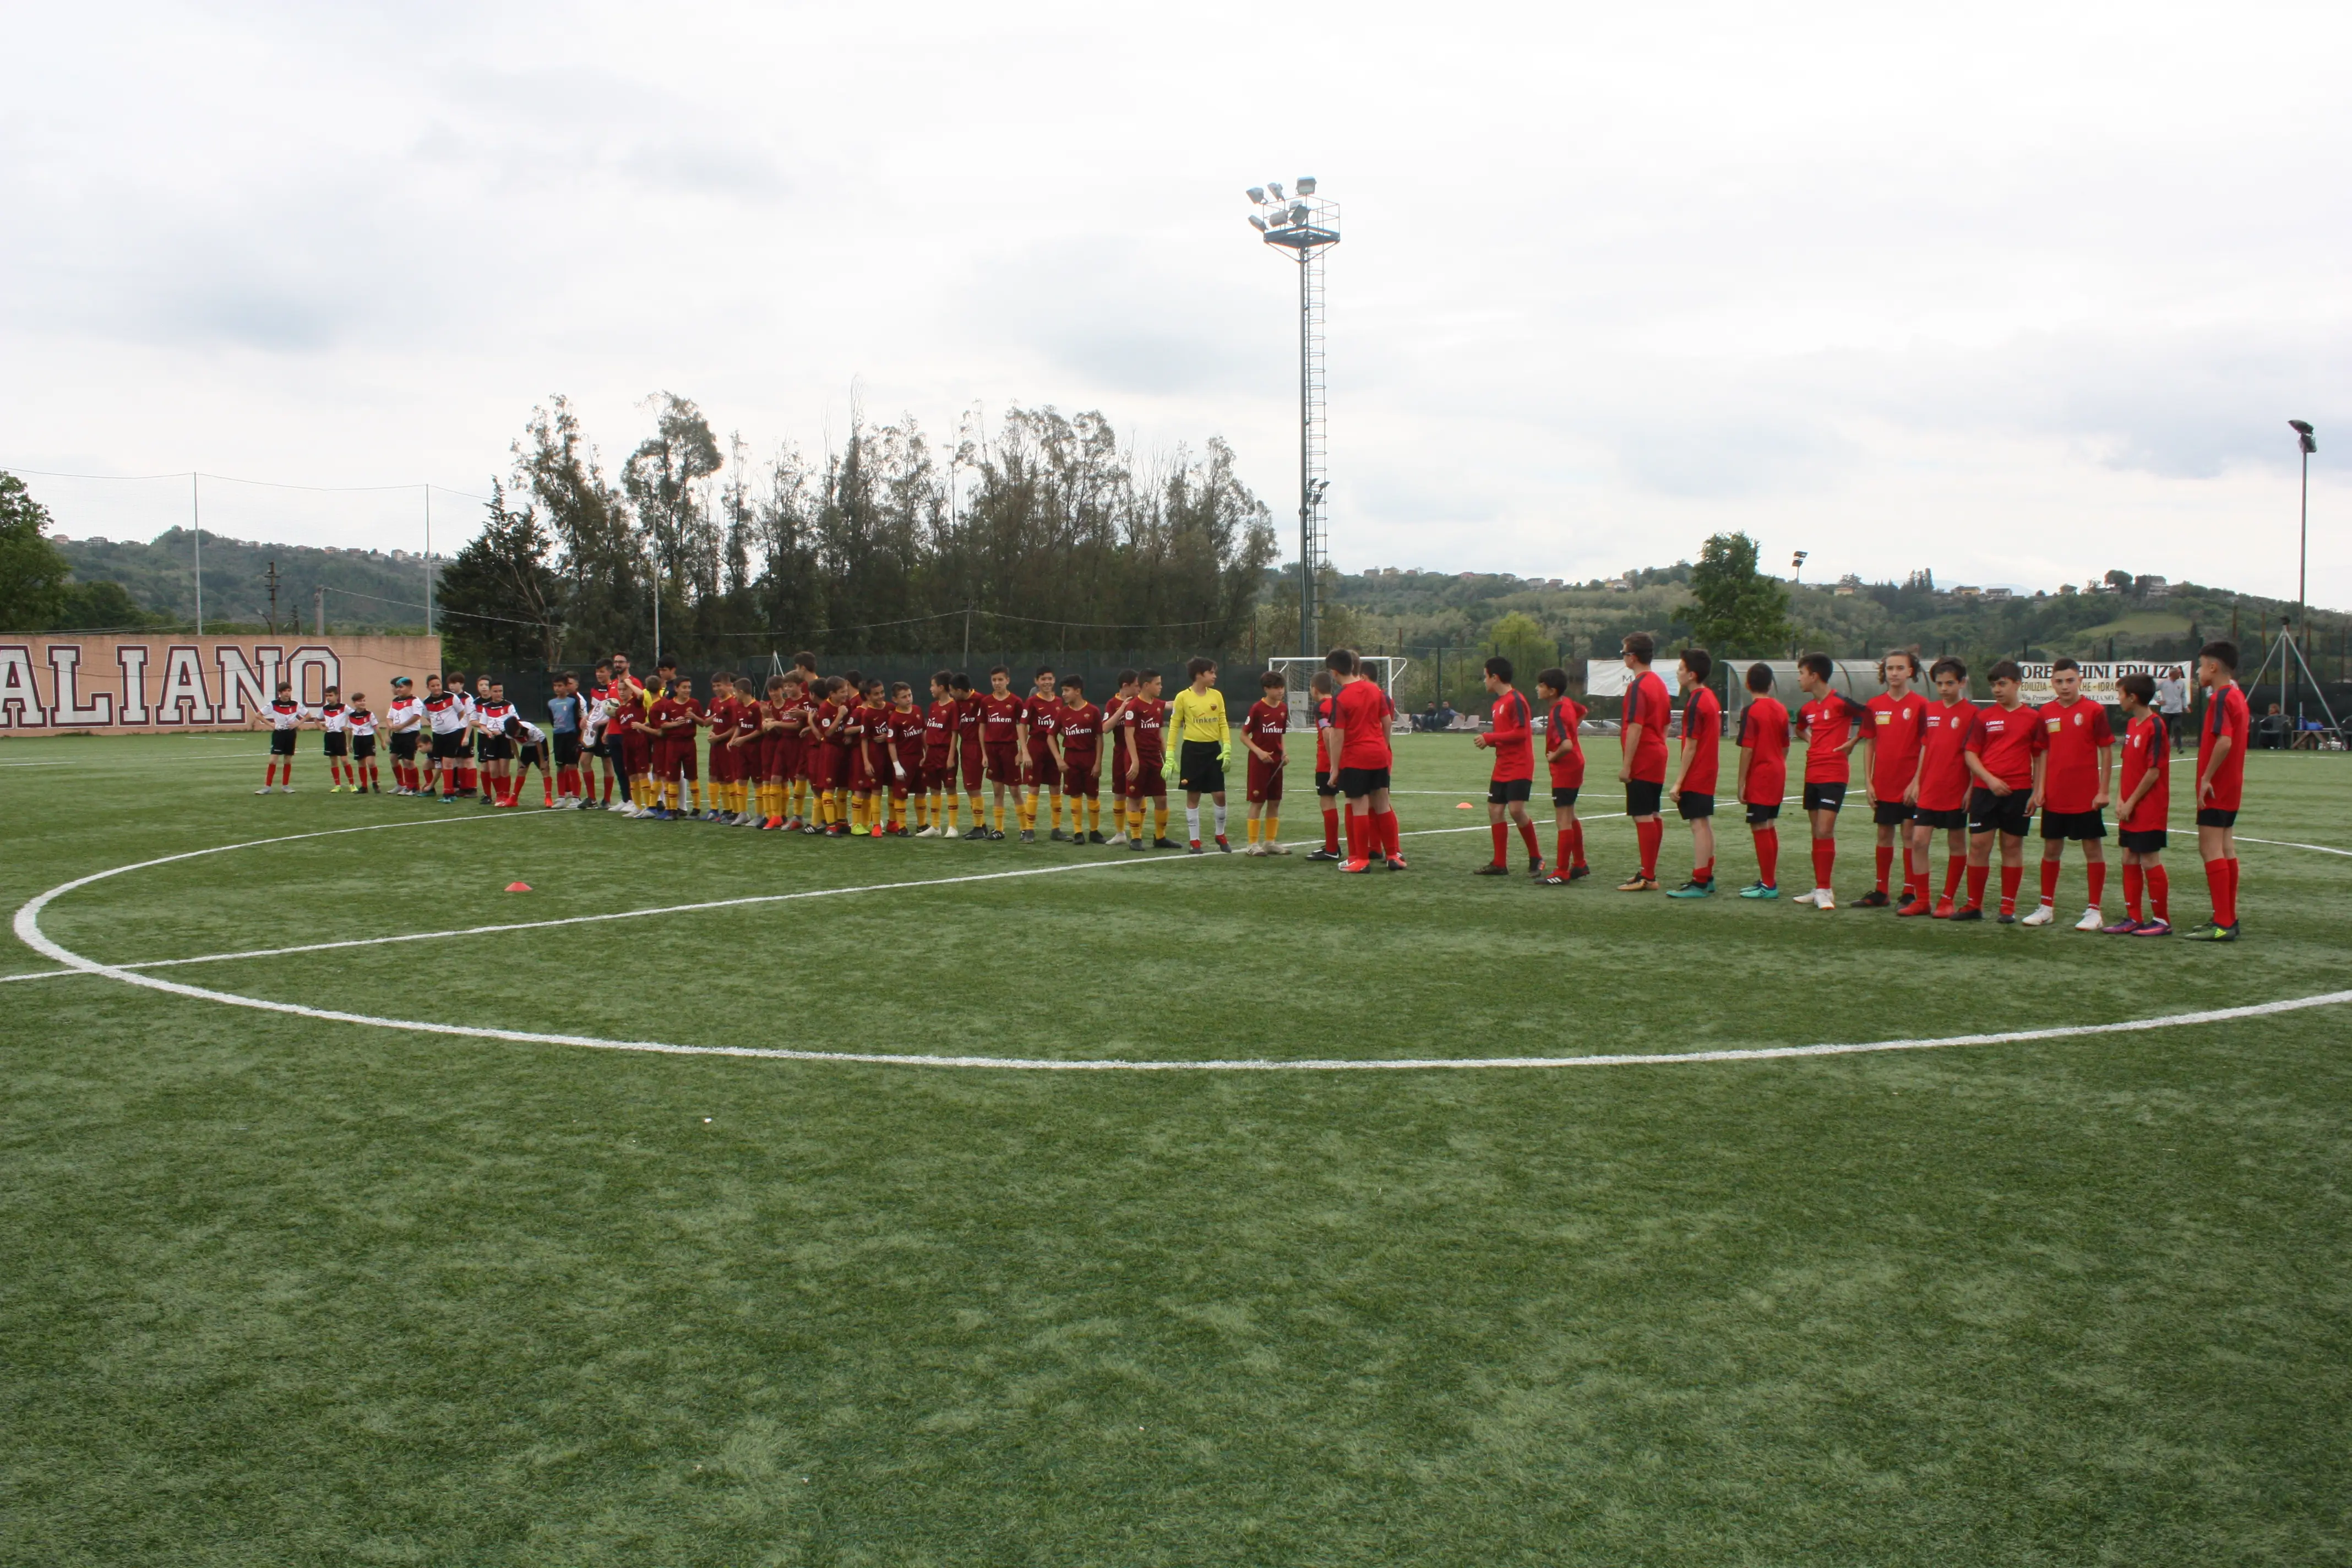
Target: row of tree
[(1044, 531)]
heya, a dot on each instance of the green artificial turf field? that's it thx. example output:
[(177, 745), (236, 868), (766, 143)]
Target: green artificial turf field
[(275, 1289)]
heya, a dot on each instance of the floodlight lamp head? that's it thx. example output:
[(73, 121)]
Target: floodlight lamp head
[(1257, 194), (1304, 185), (1258, 223), (2302, 434), (1276, 186), (1298, 212)]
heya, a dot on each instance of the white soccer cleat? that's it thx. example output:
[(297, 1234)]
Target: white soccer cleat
[(2042, 915), (2091, 921), (928, 833), (264, 789), (1823, 898), (1115, 840)]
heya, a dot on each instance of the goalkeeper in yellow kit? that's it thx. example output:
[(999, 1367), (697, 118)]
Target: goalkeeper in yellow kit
[(1204, 741)]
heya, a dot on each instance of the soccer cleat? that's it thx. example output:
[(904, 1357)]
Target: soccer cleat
[(1195, 848), (2039, 915), (1115, 840), (1973, 912), (1028, 835), (1094, 835), (860, 830), (1873, 900), (2153, 928), (2210, 931), (1275, 849), (1760, 890), (1492, 868), (1225, 845), (1637, 883), (1581, 871), (1058, 837), (2006, 918), (996, 835), (1140, 845), (1556, 880), (1323, 855), (1164, 843), (1355, 867), (264, 789), (839, 830), (2091, 921), (1823, 898), (975, 833), (1693, 890), (1535, 867), (285, 789), (1396, 863), (2124, 926), (1912, 906)]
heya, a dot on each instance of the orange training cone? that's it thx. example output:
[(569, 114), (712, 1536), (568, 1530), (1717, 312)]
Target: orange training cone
[(518, 887)]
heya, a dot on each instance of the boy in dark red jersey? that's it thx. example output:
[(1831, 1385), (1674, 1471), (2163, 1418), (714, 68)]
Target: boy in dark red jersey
[(1359, 745), (1144, 723), (1695, 791), (1942, 792), (1322, 689), (1263, 728), (2221, 784), (873, 760), (999, 740), (1564, 755), (1041, 776), (939, 757), (1077, 753), (822, 756), (2077, 769), (1512, 740), (1898, 722), (1764, 732), (2145, 807), (718, 718), (1834, 724), (970, 755), (2004, 758), (1114, 723), (1641, 742), (905, 724)]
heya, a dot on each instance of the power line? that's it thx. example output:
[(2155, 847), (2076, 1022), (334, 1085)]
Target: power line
[(235, 479)]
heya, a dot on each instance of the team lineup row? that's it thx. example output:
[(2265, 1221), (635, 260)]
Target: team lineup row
[(844, 756)]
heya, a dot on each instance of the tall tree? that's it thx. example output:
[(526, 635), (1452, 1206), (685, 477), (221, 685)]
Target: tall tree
[(1735, 610), (32, 571), (602, 570), (502, 594), (664, 479)]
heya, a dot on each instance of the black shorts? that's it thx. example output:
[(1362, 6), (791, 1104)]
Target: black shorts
[(2004, 814), (1357, 783), (1690, 804), (1324, 786), (567, 747), (494, 748), (362, 747), (1504, 791), (1199, 768), (1889, 813), (281, 743), (1643, 795), (339, 744), (448, 747), (2086, 826), (2213, 816), (1760, 813), (531, 754), (1958, 816), (404, 745), (1825, 797), (2140, 840), (1563, 796)]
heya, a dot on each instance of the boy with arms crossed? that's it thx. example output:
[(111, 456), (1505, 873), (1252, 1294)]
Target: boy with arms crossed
[(1198, 720), (2147, 807), (1512, 740), (1898, 721), (2004, 758), (1641, 743), (1763, 777), (2077, 767), (2221, 784), (1263, 728), (1564, 753), (1943, 786), (1695, 791)]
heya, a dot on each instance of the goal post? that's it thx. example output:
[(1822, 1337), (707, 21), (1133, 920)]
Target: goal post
[(1297, 670)]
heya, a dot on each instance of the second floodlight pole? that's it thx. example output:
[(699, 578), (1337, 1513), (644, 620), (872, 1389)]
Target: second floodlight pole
[(1307, 466)]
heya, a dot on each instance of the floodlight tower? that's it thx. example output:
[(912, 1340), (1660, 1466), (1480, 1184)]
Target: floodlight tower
[(1306, 225), (2304, 438)]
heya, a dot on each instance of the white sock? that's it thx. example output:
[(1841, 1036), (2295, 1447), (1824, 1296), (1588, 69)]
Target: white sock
[(1192, 821), (1221, 821)]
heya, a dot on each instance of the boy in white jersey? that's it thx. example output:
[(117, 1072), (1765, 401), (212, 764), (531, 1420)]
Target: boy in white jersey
[(285, 717), (403, 722), (361, 723)]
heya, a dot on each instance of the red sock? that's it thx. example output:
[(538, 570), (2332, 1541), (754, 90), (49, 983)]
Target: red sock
[(1331, 829), (2229, 874), (1528, 836), (1914, 873), (1976, 886), (269, 775), (549, 784), (1564, 853), (1502, 842), (2131, 890), (2098, 874), (1954, 869), (1386, 822), (2009, 877), (1359, 830), (1885, 864), (2160, 899), (1824, 861), (1649, 834), (2050, 881), (1577, 829), (608, 789), (1767, 856), (2217, 879), (1703, 873)]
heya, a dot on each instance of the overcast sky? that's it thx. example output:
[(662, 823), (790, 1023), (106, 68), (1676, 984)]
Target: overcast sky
[(2016, 293)]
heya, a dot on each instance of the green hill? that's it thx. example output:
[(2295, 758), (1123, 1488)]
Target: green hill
[(368, 590)]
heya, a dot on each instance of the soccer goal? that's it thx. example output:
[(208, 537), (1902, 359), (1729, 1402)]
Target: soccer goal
[(1297, 669)]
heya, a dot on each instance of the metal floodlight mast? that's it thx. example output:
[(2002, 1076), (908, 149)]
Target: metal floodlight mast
[(1306, 225), (2304, 439)]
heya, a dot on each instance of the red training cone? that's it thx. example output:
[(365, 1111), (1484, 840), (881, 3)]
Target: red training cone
[(518, 887)]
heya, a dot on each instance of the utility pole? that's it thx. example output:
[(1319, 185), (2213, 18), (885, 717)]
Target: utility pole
[(319, 609), (269, 580), (196, 516)]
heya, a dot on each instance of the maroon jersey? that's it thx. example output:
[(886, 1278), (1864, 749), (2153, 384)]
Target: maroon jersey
[(1263, 724), (1830, 721), (967, 720), (1000, 719), (1146, 721), (939, 730), (1764, 731), (2006, 741), (1897, 725), (2074, 734), (1512, 739), (1647, 707), (1561, 721), (2228, 718), (2147, 749), (1081, 731), (1042, 715), (1944, 780), (1702, 741), (908, 727)]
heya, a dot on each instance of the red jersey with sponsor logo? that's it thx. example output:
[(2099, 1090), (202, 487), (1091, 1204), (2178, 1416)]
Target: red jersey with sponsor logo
[(1043, 714), (2074, 734), (2226, 716), (940, 729), (672, 717), (1560, 724), (1513, 739), (1147, 720), (1647, 709), (1764, 731), (1081, 731), (1830, 721), (1000, 720), (1702, 741), (2007, 740), (1264, 726), (1944, 781), (1897, 726), (906, 728), (1361, 713), (966, 719), (2148, 748)]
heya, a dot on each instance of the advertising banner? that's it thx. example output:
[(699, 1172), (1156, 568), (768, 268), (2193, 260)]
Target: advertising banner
[(2099, 679), (134, 684)]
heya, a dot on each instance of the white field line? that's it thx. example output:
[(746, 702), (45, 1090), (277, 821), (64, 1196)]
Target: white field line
[(2290, 844), (29, 931)]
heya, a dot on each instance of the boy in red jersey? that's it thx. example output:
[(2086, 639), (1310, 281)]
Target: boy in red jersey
[(1322, 689), (1000, 742), (1941, 798), (677, 715), (1263, 728), (2221, 784), (1694, 790), (827, 755), (1642, 741), (2004, 758), (2145, 807), (873, 761), (1763, 777), (1564, 755), (2077, 769), (939, 757), (903, 726), (718, 718), (1114, 721), (766, 751), (1077, 753), (1145, 725), (1041, 777), (1897, 723), (1834, 724), (1359, 746), (1512, 740), (970, 755)]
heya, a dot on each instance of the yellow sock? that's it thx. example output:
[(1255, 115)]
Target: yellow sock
[(950, 806), (1253, 829), (1094, 814), (996, 814), (1159, 820), (1273, 823), (898, 813)]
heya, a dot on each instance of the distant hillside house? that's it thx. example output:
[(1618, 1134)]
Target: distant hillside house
[(2151, 587), (1997, 596), (1967, 591), (1847, 587)]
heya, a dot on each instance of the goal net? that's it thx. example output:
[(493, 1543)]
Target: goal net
[(1299, 669)]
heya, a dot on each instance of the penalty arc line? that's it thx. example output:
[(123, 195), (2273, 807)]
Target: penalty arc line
[(28, 930)]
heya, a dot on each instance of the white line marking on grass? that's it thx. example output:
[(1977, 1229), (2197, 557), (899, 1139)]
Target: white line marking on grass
[(29, 931), (2290, 844)]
